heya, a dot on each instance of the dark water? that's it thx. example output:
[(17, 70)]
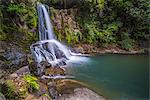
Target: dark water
[(116, 76)]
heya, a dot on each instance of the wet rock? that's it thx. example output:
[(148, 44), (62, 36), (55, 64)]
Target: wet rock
[(15, 58), (38, 69), (33, 68), (45, 68), (45, 64), (52, 90), (61, 62)]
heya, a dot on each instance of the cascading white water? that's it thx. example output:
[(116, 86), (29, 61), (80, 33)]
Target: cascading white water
[(48, 48)]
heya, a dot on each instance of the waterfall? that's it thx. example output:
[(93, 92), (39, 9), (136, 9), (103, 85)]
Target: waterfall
[(48, 48)]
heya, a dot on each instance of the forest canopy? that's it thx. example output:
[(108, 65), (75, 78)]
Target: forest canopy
[(101, 22)]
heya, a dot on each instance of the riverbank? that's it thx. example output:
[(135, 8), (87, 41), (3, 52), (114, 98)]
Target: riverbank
[(109, 49)]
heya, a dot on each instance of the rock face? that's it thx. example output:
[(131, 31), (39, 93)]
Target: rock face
[(81, 94), (75, 90), (44, 68), (15, 57), (52, 90), (11, 58), (38, 69)]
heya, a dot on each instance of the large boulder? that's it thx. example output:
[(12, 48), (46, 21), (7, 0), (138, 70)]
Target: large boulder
[(11, 56)]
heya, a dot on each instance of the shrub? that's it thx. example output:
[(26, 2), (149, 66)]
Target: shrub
[(126, 43)]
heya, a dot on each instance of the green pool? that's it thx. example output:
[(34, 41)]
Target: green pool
[(115, 76)]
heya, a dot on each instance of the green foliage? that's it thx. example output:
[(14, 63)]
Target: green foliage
[(19, 21), (72, 37), (114, 18), (134, 15), (100, 21), (54, 1), (126, 43), (17, 8), (32, 82), (98, 3), (25, 13), (3, 36), (30, 37)]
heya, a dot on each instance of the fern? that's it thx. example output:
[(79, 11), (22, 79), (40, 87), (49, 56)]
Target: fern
[(32, 82)]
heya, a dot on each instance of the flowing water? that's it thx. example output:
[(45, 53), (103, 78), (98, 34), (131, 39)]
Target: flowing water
[(48, 48), (116, 76)]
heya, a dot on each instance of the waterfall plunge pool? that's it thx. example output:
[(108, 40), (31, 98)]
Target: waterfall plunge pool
[(115, 76)]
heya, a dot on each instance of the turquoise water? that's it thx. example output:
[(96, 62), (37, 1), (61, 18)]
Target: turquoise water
[(116, 76)]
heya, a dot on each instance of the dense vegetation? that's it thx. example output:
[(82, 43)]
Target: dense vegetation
[(101, 22)]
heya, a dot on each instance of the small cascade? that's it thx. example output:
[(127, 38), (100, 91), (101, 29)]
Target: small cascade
[(48, 48)]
